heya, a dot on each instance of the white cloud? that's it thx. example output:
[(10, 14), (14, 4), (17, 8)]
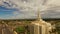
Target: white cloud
[(28, 8)]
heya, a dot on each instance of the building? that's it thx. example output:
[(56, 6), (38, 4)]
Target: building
[(40, 27)]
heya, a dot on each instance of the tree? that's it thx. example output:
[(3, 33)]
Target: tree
[(20, 29)]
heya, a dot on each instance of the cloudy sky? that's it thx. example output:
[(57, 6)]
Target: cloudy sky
[(21, 9)]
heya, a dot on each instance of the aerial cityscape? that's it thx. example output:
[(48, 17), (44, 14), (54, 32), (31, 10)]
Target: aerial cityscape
[(29, 16)]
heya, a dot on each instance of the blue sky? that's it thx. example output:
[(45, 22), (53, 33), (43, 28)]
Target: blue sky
[(14, 9), (21, 9), (5, 12), (12, 13)]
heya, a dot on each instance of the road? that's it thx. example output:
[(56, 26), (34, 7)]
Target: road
[(5, 29)]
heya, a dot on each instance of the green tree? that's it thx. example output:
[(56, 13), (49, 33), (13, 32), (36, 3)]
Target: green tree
[(20, 29)]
